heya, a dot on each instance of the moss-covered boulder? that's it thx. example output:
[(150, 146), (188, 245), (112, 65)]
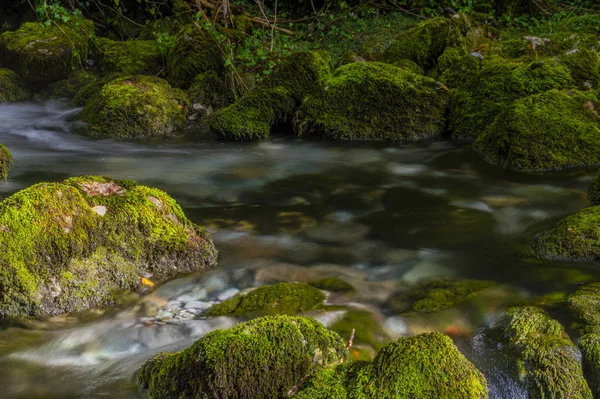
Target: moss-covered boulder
[(590, 351), (209, 92), (584, 306), (136, 107), (11, 87), (262, 358), (192, 52), (130, 57), (274, 101), (548, 131), (6, 161), (547, 360), (574, 238), (594, 190), (420, 367), (431, 296), (477, 102), (282, 298), (43, 54), (74, 245), (374, 101)]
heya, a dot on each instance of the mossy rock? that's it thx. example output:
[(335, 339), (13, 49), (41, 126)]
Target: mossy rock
[(594, 190), (135, 107), (130, 57), (584, 66), (548, 131), (374, 101), (193, 51), (282, 298), (263, 358), (210, 91), (6, 162), (333, 284), (69, 87), (584, 305), (43, 54), (73, 245), (574, 238), (11, 87), (435, 295), (477, 102), (275, 100), (590, 351), (547, 360)]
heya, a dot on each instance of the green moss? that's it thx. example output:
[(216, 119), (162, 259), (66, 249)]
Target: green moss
[(476, 103), (590, 351), (369, 330), (11, 87), (431, 296), (136, 107), (576, 238), (584, 306), (253, 116), (330, 382), (548, 131), (584, 66), (209, 90), (6, 162), (594, 190), (419, 367), (332, 284), (43, 54), (262, 358), (282, 298), (69, 87), (68, 255), (193, 52), (547, 359), (374, 101), (130, 57)]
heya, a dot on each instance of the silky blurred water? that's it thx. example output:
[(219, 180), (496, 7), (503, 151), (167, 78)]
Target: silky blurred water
[(381, 215)]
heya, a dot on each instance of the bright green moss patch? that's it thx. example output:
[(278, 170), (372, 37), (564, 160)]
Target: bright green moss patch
[(548, 131), (130, 57), (590, 351), (547, 360), (374, 101), (136, 107), (584, 305), (477, 102), (70, 246), (193, 52), (11, 87), (262, 358), (577, 237), (43, 54), (6, 162), (332, 284), (594, 190), (431, 296), (282, 298)]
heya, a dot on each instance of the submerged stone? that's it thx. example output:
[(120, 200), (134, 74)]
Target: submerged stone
[(11, 87), (547, 361), (43, 54), (6, 161), (135, 107), (374, 101), (263, 358), (59, 254)]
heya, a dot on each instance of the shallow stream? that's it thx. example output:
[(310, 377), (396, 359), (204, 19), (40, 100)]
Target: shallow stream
[(380, 215)]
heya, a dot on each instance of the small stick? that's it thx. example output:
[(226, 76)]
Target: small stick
[(349, 344)]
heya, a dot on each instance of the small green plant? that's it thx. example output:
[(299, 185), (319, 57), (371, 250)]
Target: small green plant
[(53, 12)]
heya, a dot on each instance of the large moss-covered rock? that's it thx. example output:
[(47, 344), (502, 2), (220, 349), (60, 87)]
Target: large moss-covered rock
[(136, 107), (6, 161), (498, 83), (43, 54), (262, 358), (575, 238), (419, 367), (73, 245), (374, 101), (11, 87), (282, 298), (275, 100), (548, 131), (584, 306), (193, 52), (547, 360), (590, 351), (130, 57)]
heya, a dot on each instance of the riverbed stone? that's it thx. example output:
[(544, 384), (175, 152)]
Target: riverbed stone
[(58, 255), (281, 352)]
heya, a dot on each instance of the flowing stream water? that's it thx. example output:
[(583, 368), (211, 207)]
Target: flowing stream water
[(381, 215)]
